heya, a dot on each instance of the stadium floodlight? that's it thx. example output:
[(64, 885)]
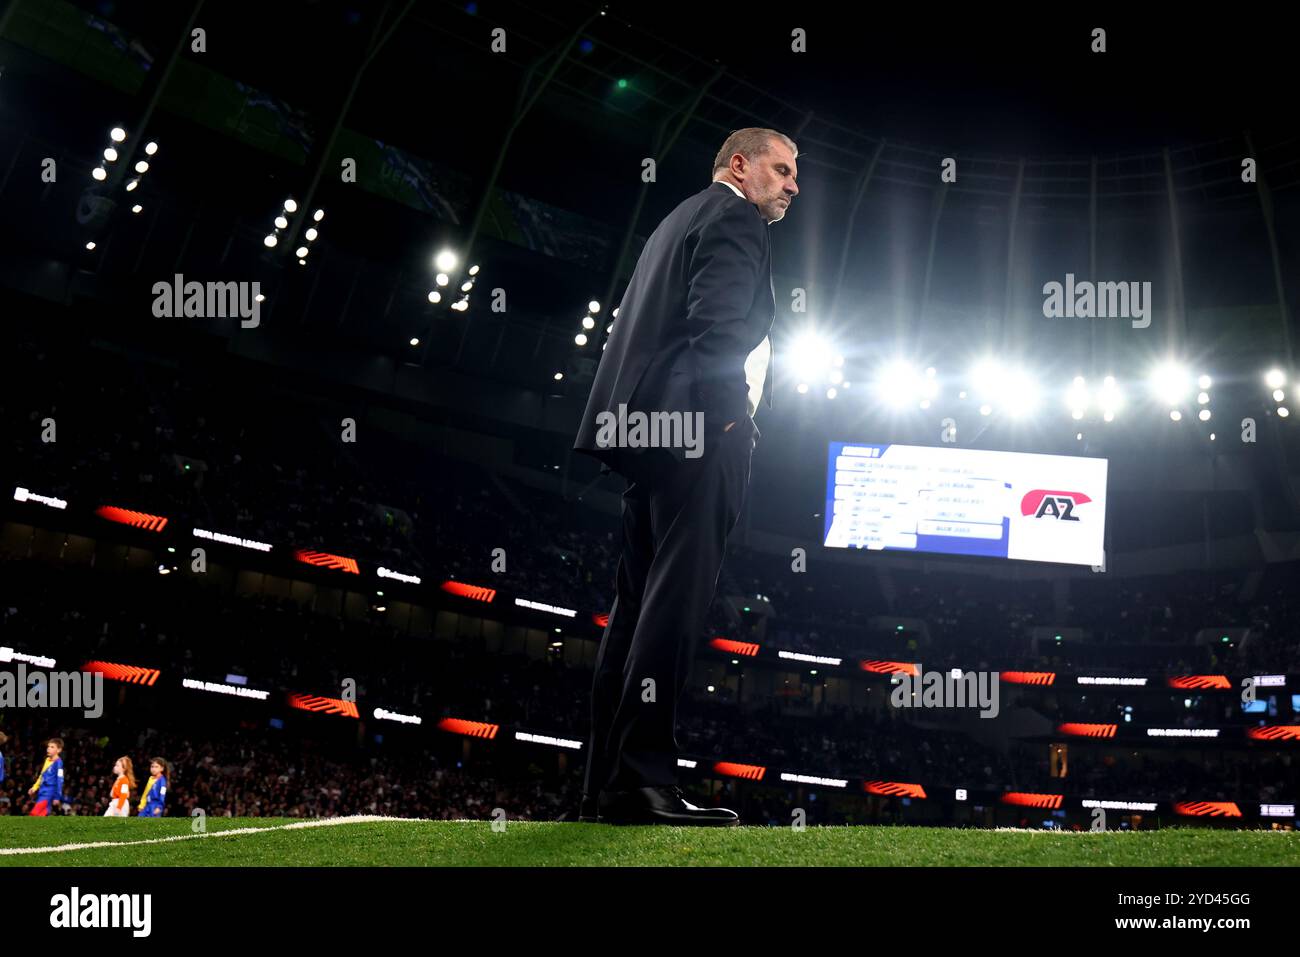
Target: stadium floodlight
[(1204, 382), (801, 388), (130, 187), (559, 376), (435, 296), (445, 261), (90, 245), (301, 252), (897, 382), (260, 297), (580, 338), (1202, 398), (1018, 394), (311, 234), (473, 270), (99, 173), (270, 240), (1175, 415), (615, 312), (1278, 395), (831, 393), (302, 262), (318, 215), (136, 208), (466, 286), (1283, 411), (1170, 382), (836, 376), (1275, 378), (1109, 398), (142, 167), (1204, 415), (588, 322), (811, 357), (110, 154), (986, 380), (291, 205), (986, 409), (460, 305), (593, 306), (415, 340), (150, 148), (441, 279), (117, 134), (1077, 397), (609, 328)]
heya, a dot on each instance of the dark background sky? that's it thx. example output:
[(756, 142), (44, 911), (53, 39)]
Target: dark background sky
[(1004, 81)]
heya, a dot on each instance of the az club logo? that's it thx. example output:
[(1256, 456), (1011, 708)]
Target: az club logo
[(1059, 505)]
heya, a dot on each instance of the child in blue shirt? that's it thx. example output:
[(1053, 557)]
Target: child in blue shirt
[(49, 785), (155, 792)]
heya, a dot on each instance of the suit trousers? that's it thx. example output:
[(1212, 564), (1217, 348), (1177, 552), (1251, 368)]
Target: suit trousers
[(676, 521)]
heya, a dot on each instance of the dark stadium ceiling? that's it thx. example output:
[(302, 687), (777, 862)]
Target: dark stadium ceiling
[(988, 92), (974, 82)]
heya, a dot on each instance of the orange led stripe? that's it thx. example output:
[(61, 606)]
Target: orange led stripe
[(894, 789), (1025, 799), (476, 592), (339, 563), (1085, 730), (1029, 677), (889, 667), (1276, 732), (1207, 809), (321, 705), (750, 772), (1200, 682), (747, 648), (131, 674), (124, 516), (473, 729)]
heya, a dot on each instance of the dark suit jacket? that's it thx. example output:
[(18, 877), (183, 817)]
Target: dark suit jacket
[(699, 301)]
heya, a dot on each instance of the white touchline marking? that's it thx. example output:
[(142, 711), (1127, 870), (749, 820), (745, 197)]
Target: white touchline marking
[(320, 822)]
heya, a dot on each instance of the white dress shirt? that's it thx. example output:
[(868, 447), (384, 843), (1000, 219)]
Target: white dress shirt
[(757, 362)]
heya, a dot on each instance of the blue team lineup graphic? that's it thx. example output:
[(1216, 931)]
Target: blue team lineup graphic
[(908, 506)]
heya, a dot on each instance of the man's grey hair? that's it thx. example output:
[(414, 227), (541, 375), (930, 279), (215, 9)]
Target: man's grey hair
[(751, 143)]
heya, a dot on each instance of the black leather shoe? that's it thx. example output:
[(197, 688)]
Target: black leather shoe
[(587, 810), (664, 805)]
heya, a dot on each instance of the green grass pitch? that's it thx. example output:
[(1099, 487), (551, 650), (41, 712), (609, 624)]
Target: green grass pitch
[(383, 842)]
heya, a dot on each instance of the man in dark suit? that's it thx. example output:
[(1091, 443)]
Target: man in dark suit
[(671, 408)]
